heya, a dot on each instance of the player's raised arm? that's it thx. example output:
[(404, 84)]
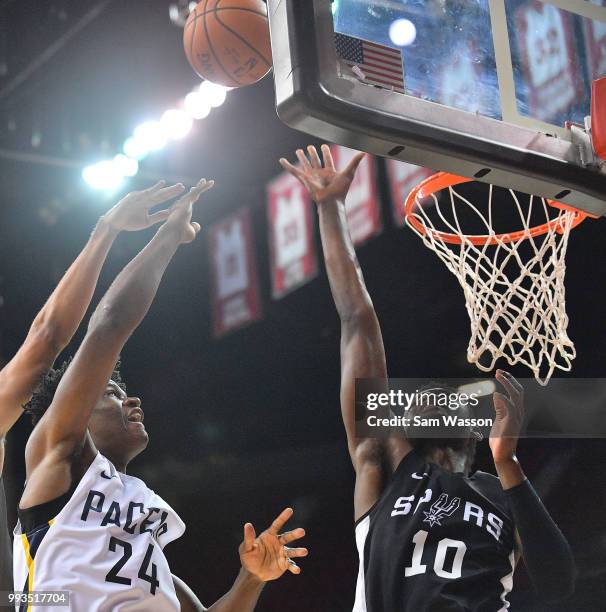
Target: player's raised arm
[(362, 352), (60, 435), (545, 551), (60, 317), (263, 558)]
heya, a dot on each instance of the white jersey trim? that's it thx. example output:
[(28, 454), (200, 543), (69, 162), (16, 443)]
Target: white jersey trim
[(507, 582), (362, 529)]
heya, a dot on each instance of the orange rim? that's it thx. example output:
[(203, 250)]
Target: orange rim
[(442, 180)]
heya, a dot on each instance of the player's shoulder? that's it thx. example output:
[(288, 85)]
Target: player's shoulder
[(488, 486), (486, 481), (485, 477)]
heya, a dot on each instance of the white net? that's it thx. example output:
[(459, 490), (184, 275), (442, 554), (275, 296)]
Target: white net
[(513, 282)]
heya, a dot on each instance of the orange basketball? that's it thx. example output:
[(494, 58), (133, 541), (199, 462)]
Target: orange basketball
[(227, 41)]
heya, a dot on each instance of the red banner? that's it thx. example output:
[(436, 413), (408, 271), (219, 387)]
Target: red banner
[(362, 204), (403, 178), (552, 66), (290, 217), (235, 292)]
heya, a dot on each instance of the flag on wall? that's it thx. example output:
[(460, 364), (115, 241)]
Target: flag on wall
[(403, 178), (290, 218), (362, 203), (370, 62), (235, 291)]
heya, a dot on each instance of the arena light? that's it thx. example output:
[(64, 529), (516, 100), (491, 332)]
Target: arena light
[(402, 32), (134, 149), (196, 106), (126, 166), (176, 124), (215, 94), (150, 135), (103, 175), (480, 388)]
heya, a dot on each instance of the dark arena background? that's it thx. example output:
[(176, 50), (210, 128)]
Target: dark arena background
[(242, 425)]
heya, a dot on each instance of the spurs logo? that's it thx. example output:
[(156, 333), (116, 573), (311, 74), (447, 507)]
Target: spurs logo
[(417, 477), (441, 508)]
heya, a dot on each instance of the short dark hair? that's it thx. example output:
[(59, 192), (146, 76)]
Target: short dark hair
[(44, 393), (468, 445)]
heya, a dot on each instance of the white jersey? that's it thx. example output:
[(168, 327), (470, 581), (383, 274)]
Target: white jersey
[(104, 546)]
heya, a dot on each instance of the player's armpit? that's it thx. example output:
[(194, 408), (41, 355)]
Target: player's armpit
[(371, 476), (363, 356), (187, 598)]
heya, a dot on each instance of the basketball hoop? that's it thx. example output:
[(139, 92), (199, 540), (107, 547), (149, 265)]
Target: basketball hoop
[(513, 282)]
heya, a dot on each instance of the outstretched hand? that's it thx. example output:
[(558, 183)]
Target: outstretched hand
[(267, 556), (179, 214), (131, 213), (322, 180), (509, 417)]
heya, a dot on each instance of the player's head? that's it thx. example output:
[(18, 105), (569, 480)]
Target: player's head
[(116, 423), (432, 434)]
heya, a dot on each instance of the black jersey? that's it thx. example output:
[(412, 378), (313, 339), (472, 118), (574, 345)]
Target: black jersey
[(436, 541)]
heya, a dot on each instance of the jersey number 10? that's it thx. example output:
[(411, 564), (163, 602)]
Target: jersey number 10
[(444, 544)]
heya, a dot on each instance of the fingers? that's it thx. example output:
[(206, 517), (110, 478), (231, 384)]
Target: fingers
[(303, 160), (501, 404), (291, 536), (292, 553), (513, 387), (327, 155), (163, 195), (296, 172), (249, 537), (154, 187), (293, 568), (290, 168), (314, 157), (158, 217), (352, 166), (196, 227), (280, 521), (194, 193)]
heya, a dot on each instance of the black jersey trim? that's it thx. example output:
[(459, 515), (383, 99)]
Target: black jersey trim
[(367, 513), (37, 516)]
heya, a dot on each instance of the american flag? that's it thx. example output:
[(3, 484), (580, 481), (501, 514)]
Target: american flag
[(379, 64)]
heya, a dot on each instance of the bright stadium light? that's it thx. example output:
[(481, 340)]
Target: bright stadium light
[(196, 106), (150, 135), (126, 166), (134, 149), (402, 32), (103, 175), (215, 94), (176, 124)]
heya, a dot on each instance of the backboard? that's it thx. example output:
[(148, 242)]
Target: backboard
[(479, 88)]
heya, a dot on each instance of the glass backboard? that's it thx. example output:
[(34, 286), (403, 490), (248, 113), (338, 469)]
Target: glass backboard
[(481, 88)]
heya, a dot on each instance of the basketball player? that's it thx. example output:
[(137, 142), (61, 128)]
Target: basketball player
[(57, 322), (429, 535), (84, 525)]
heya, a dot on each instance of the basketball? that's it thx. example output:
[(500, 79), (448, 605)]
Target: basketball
[(227, 41)]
